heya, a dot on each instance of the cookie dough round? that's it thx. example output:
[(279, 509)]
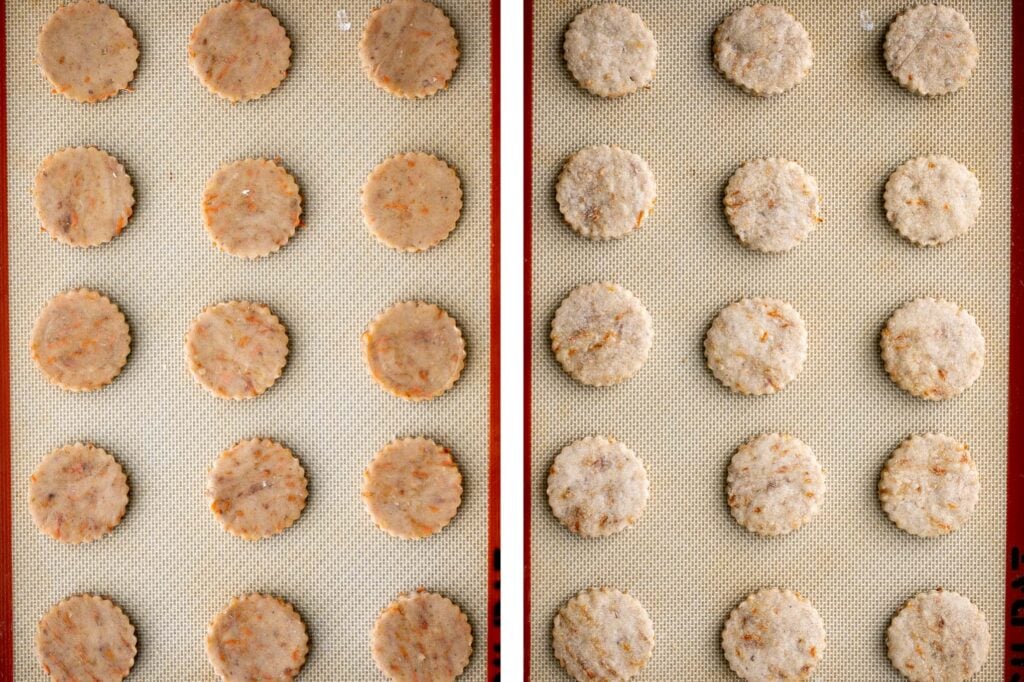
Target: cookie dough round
[(756, 346), (411, 202), (83, 196), (601, 334), (429, 625), (605, 192), (414, 350), (603, 633), (610, 51), (932, 199), (412, 488), (409, 48), (933, 349), (772, 204), (85, 638), (931, 50), (257, 637), (938, 635), (774, 635), (80, 340), (763, 49), (239, 51), (237, 349), (87, 51)]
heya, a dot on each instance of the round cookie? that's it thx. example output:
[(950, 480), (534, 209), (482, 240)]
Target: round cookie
[(772, 204), (774, 635), (409, 48), (221, 51), (412, 488), (603, 634), (610, 51), (932, 199), (85, 638), (775, 484), (80, 340), (756, 346), (87, 51), (931, 50), (414, 350), (938, 635), (601, 334), (411, 202), (257, 637), (429, 625), (237, 349), (605, 192), (763, 49), (932, 349), (597, 486)]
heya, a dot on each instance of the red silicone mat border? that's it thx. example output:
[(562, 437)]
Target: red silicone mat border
[(6, 550), (527, 320)]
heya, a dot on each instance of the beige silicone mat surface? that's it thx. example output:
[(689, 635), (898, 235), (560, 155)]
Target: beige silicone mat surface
[(849, 124), (169, 564)]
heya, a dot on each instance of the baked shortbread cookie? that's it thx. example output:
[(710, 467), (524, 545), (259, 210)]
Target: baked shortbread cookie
[(610, 51)]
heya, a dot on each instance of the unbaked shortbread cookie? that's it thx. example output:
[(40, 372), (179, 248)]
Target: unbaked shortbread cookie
[(412, 202), (83, 196), (772, 204), (605, 192), (85, 638), (938, 635), (597, 486), (756, 346), (603, 634), (774, 635), (236, 349), (421, 636), (412, 488), (257, 637), (931, 50), (932, 199), (610, 51), (80, 340), (933, 349), (601, 334), (409, 48), (87, 51), (763, 49), (239, 51)]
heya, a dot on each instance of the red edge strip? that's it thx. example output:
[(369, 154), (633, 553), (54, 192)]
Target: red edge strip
[(527, 319), (494, 404), (6, 548)]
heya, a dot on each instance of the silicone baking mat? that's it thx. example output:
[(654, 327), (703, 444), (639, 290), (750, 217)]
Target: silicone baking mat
[(169, 565), (850, 125)]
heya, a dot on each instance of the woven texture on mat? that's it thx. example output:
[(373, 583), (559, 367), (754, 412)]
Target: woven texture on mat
[(850, 125), (169, 564)]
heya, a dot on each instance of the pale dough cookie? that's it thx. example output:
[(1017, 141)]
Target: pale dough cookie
[(774, 635), (421, 636), (930, 485), (938, 637), (931, 50), (597, 486), (83, 196), (603, 634), (411, 202), (933, 349), (601, 334), (409, 48), (932, 199), (236, 349), (414, 350), (412, 488), (239, 51), (610, 51), (756, 346), (775, 484), (87, 51), (772, 204), (85, 638), (763, 49), (257, 637), (80, 340), (605, 192)]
